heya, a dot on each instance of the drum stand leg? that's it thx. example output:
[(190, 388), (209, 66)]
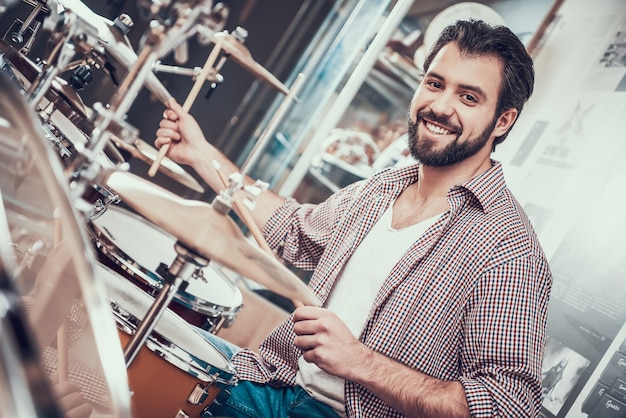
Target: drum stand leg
[(183, 266)]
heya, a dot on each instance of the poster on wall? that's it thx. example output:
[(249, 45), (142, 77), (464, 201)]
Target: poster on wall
[(567, 159)]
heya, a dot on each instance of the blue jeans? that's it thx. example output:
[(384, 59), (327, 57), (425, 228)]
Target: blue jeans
[(256, 400)]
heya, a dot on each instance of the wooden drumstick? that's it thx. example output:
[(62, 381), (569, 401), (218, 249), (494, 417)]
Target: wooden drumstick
[(62, 356), (246, 217), (191, 97)]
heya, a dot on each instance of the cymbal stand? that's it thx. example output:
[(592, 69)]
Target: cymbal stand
[(176, 275), (189, 72), (239, 34), (159, 41), (69, 29), (17, 36), (223, 202), (214, 76)]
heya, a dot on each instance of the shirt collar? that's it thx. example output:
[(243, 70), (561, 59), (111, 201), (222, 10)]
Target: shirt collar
[(485, 187)]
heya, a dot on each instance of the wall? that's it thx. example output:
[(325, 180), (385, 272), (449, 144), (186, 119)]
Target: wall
[(564, 161)]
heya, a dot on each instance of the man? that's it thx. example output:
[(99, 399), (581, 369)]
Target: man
[(433, 284)]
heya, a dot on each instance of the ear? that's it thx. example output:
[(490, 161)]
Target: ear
[(505, 121)]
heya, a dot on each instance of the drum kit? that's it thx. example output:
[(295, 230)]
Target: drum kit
[(113, 295)]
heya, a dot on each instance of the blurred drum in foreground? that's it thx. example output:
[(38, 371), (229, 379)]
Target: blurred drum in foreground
[(52, 265)]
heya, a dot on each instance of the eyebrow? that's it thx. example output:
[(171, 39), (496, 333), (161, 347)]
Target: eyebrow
[(470, 87)]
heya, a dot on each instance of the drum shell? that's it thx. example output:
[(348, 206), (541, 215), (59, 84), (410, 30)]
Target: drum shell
[(160, 389)]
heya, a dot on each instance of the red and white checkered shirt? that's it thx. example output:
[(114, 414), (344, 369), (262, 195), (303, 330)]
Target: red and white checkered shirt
[(467, 301)]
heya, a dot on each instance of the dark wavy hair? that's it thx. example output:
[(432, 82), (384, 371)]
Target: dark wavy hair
[(477, 38)]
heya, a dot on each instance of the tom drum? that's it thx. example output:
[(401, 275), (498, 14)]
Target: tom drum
[(135, 247)]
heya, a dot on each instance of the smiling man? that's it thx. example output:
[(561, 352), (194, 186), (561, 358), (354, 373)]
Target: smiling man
[(433, 284)]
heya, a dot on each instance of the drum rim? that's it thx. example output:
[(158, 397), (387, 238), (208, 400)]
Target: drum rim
[(173, 353), (106, 246), (203, 306), (194, 365)]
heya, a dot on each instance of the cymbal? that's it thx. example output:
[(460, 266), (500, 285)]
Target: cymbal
[(209, 233), (238, 51), (143, 151)]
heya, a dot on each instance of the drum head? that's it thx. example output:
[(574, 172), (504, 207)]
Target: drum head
[(133, 244), (52, 266)]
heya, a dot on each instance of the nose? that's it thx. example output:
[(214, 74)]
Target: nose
[(442, 104)]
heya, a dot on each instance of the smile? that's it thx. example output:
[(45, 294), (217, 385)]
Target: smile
[(436, 129)]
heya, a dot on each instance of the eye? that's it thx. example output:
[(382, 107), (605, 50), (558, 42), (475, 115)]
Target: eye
[(435, 84), (469, 98)]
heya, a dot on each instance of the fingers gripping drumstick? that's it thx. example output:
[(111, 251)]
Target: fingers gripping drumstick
[(246, 217), (195, 89)]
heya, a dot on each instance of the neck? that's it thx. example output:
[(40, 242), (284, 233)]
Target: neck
[(429, 195)]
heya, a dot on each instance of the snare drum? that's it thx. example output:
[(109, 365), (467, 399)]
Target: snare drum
[(177, 371), (132, 246)]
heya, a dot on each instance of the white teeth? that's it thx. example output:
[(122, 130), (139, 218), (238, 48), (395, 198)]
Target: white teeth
[(437, 129)]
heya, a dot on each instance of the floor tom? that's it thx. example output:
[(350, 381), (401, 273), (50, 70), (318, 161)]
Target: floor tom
[(178, 371)]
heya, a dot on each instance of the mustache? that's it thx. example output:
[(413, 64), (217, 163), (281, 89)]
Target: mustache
[(444, 121)]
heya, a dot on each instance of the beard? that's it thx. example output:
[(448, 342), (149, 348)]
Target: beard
[(423, 149)]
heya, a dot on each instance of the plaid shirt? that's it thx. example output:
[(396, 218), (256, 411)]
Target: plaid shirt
[(467, 301)]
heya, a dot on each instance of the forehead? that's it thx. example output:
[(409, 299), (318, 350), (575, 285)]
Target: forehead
[(483, 72)]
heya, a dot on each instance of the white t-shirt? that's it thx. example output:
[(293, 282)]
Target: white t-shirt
[(353, 296)]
